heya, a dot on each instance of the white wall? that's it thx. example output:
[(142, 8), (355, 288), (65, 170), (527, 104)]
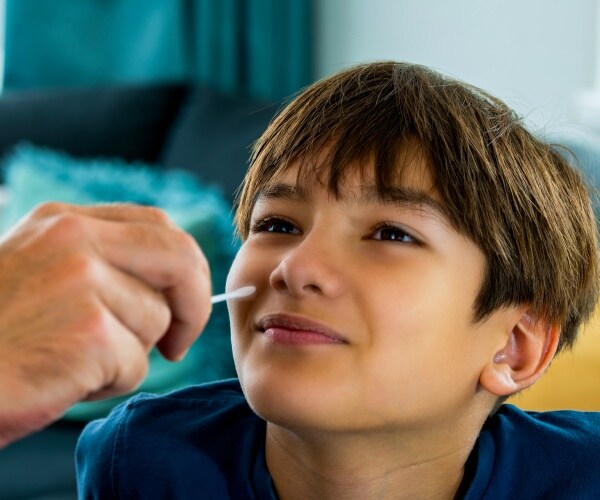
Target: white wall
[(535, 54)]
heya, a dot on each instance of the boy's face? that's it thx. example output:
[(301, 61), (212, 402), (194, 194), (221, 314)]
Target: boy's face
[(363, 314)]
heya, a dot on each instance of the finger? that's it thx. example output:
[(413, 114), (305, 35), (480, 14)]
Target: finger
[(117, 212), (187, 323), (168, 260), (140, 248), (139, 307), (123, 359), (162, 256), (60, 219)]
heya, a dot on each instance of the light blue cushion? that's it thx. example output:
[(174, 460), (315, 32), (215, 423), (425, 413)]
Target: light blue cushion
[(35, 175)]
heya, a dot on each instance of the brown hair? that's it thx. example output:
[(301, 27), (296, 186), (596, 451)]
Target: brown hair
[(515, 196)]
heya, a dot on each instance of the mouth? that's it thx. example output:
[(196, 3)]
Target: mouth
[(295, 330)]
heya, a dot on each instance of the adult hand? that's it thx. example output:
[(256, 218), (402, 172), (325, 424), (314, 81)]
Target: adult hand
[(85, 293)]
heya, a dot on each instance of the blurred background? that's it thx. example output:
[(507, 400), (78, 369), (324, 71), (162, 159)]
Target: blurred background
[(158, 101), (541, 58)]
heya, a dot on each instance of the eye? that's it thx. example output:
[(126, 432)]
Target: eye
[(390, 232), (273, 224)]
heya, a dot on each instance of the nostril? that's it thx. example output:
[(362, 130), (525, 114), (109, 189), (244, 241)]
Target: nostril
[(278, 285)]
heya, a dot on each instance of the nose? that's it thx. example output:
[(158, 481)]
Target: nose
[(312, 268)]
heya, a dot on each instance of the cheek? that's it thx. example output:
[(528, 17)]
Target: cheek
[(244, 271), (249, 267), (236, 277), (240, 274), (419, 314), (253, 265)]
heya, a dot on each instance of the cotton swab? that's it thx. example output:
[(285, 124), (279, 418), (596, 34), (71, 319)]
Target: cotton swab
[(244, 291)]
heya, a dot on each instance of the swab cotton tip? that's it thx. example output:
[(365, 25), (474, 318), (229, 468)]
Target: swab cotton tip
[(239, 293)]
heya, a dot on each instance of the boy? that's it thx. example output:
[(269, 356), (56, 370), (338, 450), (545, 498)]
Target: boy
[(418, 257)]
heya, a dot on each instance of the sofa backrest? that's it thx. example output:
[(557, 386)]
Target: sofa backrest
[(172, 125), (212, 136)]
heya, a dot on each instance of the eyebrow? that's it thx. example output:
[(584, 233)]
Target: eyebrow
[(399, 196), (282, 191), (402, 196)]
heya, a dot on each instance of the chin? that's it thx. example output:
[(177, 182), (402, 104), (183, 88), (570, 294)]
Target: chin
[(290, 402)]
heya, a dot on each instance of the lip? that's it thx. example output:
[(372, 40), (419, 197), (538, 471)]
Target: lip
[(296, 330)]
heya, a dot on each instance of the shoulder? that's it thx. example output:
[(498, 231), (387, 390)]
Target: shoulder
[(533, 454), (149, 443), (201, 405), (208, 410), (217, 396), (547, 429)]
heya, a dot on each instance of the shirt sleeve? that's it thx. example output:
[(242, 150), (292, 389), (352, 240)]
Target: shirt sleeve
[(97, 456)]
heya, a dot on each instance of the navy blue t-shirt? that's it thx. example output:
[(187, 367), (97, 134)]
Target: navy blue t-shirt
[(205, 442)]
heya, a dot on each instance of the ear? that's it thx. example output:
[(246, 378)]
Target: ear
[(529, 349)]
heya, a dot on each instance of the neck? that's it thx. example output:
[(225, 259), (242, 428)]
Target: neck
[(367, 465)]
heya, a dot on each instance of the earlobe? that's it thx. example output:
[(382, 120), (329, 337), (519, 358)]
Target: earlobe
[(527, 352)]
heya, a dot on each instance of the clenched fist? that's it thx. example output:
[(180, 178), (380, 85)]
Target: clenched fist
[(85, 293)]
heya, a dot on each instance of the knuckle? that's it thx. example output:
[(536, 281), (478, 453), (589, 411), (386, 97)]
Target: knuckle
[(131, 371), (72, 273), (189, 255), (81, 266), (138, 371), (66, 226), (157, 215), (92, 333), (119, 356), (189, 244), (192, 250), (95, 324), (47, 209)]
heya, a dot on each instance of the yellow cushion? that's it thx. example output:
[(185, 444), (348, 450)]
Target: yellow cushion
[(573, 379)]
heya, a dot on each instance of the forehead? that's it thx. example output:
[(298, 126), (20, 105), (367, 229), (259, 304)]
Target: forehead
[(410, 169), (412, 186)]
